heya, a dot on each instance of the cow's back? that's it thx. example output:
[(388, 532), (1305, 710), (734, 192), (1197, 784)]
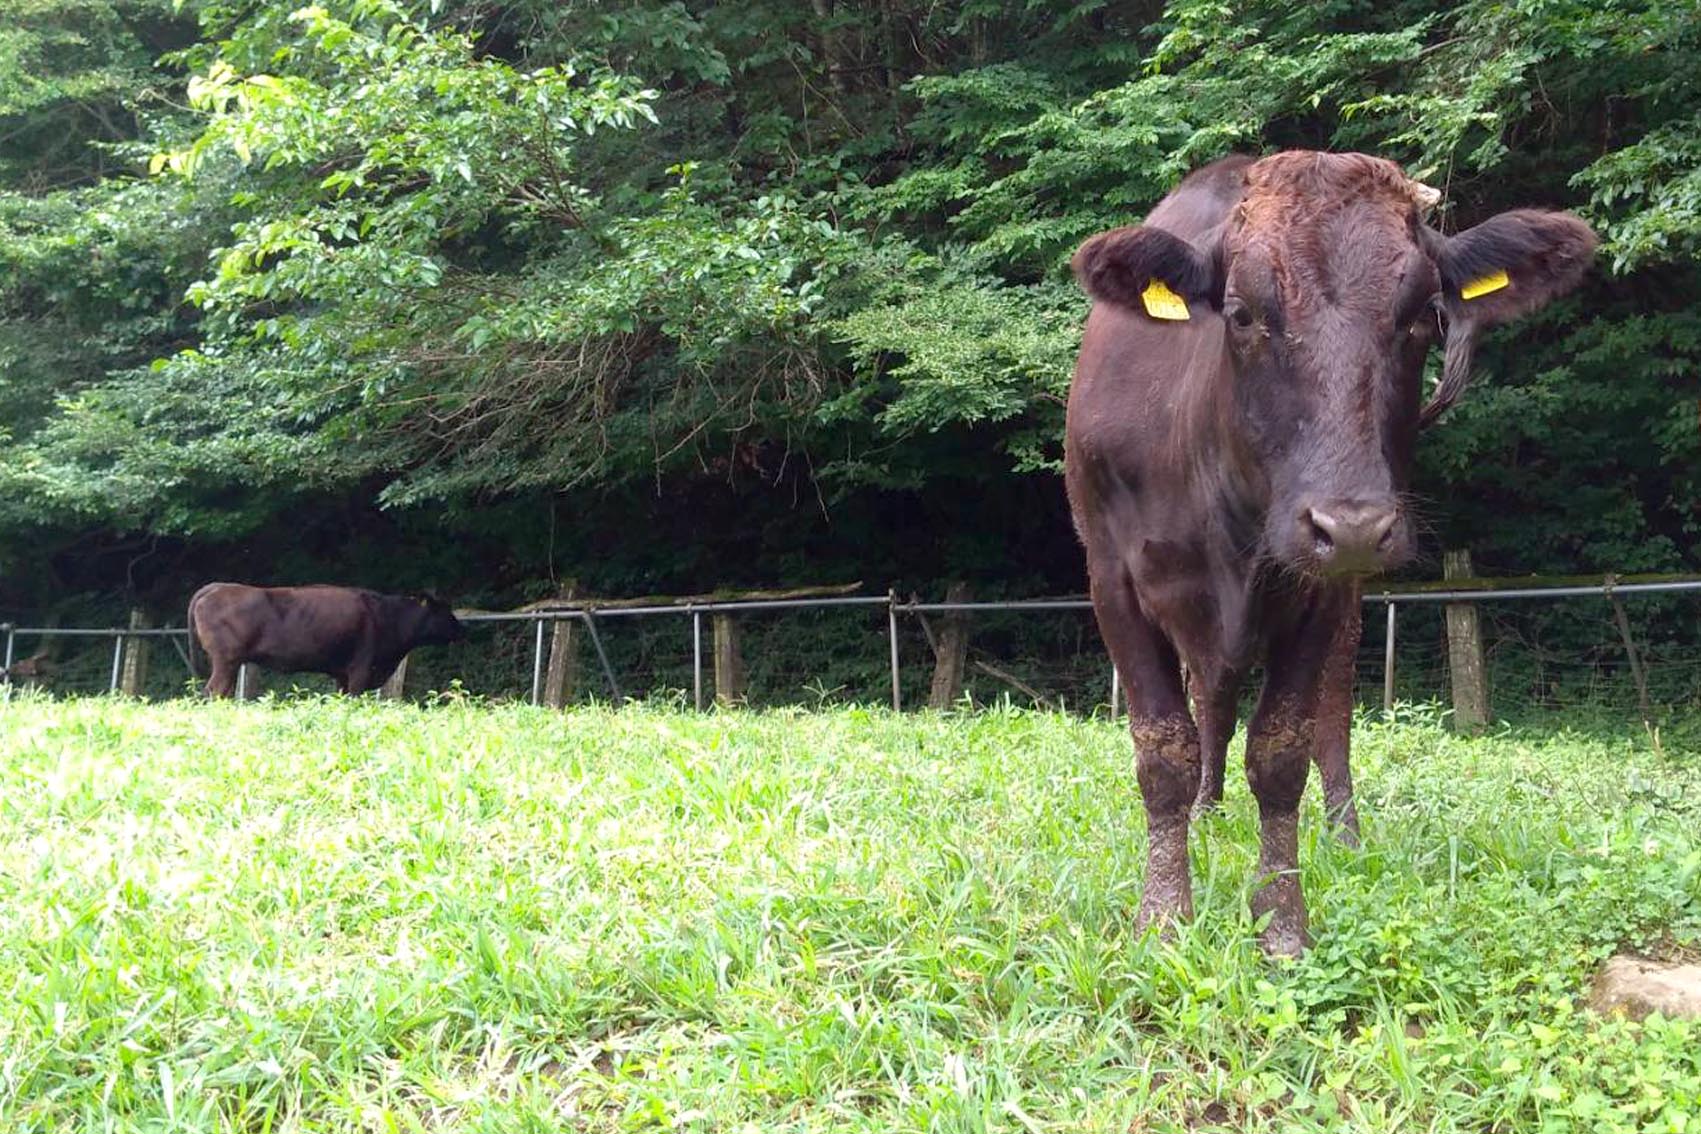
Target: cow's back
[(286, 628)]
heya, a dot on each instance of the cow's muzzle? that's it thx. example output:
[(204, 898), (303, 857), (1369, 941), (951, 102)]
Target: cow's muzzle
[(1353, 537)]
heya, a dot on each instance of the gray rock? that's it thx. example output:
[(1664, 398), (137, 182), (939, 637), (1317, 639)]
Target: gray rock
[(1637, 987)]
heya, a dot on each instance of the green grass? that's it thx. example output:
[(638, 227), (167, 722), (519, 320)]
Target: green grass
[(337, 915)]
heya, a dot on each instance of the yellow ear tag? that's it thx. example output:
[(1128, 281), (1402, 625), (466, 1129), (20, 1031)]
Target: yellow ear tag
[(1162, 303), (1494, 281)]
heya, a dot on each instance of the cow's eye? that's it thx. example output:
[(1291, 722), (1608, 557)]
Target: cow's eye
[(1238, 313), (1432, 318)]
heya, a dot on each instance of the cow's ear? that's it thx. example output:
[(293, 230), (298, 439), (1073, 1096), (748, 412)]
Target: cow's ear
[(1149, 270), (1505, 267), (1514, 263)]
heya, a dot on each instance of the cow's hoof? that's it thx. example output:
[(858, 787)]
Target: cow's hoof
[(1162, 915), (1284, 938), (1207, 804), (1160, 926), (1343, 821), (1284, 934)]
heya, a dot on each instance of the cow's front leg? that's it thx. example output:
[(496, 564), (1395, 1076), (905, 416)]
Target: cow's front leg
[(222, 680), (1278, 756), (355, 680), (1278, 751), (1166, 745), (1166, 762)]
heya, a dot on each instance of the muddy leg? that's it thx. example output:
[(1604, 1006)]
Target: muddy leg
[(1278, 756), (1278, 744), (1166, 745), (1335, 722)]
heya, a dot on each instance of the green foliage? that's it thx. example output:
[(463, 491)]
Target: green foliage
[(448, 253), (1650, 195), (343, 915), (938, 345), (75, 72)]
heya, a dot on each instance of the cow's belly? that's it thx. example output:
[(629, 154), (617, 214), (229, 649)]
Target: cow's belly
[(327, 657)]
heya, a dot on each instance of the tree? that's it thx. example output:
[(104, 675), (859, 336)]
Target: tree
[(805, 256)]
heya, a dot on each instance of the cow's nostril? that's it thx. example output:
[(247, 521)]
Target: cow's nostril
[(1323, 527), (1381, 525)]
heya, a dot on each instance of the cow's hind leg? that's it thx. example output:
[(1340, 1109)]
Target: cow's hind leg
[(1166, 745), (1213, 693), (1335, 721)]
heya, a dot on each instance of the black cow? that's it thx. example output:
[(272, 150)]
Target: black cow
[(356, 636), (1238, 448)]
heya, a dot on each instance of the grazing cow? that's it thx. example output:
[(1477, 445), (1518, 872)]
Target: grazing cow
[(1239, 441), (356, 636), (33, 670)]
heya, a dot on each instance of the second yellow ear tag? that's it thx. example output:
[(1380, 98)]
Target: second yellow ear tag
[(1162, 303), (1494, 281)]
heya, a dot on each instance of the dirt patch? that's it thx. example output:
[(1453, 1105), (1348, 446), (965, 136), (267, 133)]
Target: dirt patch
[(1214, 1116)]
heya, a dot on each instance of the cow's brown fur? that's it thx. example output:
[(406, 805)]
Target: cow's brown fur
[(1233, 477), (33, 670), (356, 636)]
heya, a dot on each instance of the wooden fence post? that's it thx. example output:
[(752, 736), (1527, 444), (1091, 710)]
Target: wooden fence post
[(1636, 671), (730, 678), (561, 679), (950, 652), (1464, 652), (133, 679), (248, 685), (395, 686)]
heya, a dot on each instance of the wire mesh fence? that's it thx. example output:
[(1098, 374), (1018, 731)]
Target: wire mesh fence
[(1543, 649)]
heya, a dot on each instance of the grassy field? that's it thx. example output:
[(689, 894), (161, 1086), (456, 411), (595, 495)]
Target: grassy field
[(335, 915)]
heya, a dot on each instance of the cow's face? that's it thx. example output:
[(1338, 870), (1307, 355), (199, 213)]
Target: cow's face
[(1328, 292), (438, 625)]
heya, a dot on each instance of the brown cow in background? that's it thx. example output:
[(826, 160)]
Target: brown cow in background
[(28, 672), (359, 637), (1238, 448)]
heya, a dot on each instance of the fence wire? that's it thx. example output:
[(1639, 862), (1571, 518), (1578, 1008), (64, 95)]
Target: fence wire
[(1543, 650)]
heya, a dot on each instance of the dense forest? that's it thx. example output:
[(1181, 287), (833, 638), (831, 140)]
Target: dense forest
[(664, 296)]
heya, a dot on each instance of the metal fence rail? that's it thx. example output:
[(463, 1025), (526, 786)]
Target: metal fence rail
[(589, 614)]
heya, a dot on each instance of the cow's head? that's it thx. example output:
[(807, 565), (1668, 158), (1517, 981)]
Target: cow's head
[(435, 621), (33, 670), (1329, 291)]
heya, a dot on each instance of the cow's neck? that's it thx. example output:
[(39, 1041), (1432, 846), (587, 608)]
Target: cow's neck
[(1228, 478)]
